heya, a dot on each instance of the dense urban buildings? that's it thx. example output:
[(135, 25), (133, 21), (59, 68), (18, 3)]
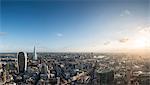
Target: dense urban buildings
[(76, 42), (74, 69)]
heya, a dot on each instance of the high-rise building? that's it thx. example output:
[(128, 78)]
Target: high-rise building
[(43, 68), (105, 76), (22, 62), (34, 54)]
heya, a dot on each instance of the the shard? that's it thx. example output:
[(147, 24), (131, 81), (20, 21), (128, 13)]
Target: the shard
[(34, 54)]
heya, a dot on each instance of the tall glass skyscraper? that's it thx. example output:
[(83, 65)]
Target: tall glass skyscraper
[(34, 54), (22, 62)]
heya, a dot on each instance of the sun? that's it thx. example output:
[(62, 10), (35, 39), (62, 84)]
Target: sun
[(140, 42)]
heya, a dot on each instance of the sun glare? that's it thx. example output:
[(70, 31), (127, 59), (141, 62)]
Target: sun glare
[(140, 42)]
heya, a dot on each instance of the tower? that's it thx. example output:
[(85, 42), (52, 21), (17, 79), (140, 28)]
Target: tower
[(105, 76), (34, 54), (22, 62)]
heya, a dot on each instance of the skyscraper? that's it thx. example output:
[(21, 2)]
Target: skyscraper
[(22, 62), (105, 76), (34, 54)]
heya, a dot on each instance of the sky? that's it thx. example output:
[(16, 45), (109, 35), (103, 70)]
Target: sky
[(74, 26)]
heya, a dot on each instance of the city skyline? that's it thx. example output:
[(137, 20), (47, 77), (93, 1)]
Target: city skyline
[(75, 26)]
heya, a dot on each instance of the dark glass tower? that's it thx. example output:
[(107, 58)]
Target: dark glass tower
[(22, 62)]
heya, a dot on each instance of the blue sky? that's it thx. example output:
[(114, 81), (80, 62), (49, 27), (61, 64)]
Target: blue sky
[(74, 26)]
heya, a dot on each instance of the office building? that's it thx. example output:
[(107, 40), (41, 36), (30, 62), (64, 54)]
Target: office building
[(22, 62)]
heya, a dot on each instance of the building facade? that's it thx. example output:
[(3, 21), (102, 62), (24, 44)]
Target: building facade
[(22, 62)]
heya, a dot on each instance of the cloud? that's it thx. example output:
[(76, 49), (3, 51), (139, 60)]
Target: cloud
[(123, 40), (125, 13), (2, 33), (107, 43), (59, 34), (144, 30)]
